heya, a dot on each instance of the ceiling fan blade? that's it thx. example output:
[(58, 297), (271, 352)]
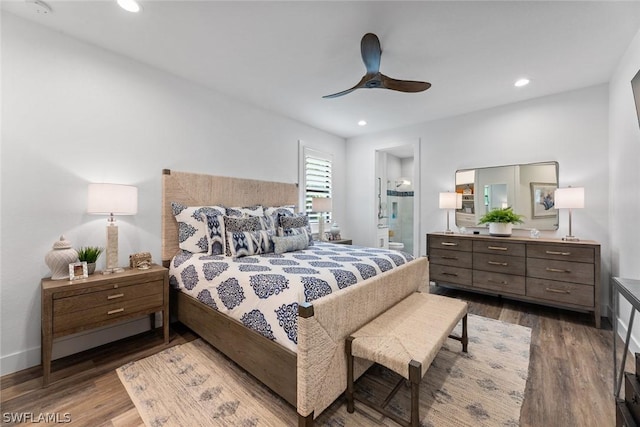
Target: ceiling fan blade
[(360, 84), (371, 52), (404, 85)]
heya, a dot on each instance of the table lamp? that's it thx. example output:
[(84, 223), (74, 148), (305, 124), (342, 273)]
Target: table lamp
[(321, 205), (112, 199), (569, 198), (450, 201)]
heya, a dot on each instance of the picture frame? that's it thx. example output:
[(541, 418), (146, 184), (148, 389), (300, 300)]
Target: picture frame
[(542, 199), (78, 270)]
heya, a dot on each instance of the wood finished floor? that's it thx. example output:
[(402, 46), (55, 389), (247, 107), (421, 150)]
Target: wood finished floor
[(570, 378)]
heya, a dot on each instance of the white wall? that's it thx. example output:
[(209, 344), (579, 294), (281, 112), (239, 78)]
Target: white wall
[(72, 114), (624, 173), (570, 128)]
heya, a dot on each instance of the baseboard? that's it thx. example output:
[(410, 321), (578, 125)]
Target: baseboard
[(71, 344)]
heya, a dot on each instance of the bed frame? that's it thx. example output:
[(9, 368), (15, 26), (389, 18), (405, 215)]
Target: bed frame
[(314, 377)]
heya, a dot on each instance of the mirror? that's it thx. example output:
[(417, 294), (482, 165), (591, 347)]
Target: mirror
[(527, 188)]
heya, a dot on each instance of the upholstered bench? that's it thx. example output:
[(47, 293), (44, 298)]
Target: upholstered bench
[(406, 338)]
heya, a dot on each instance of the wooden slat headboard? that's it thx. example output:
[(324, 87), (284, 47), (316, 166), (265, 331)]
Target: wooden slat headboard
[(193, 189)]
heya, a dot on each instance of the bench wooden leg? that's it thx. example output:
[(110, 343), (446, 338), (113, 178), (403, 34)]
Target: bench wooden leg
[(349, 392), (305, 421), (415, 376), (465, 337)]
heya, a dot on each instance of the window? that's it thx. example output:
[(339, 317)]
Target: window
[(317, 180)]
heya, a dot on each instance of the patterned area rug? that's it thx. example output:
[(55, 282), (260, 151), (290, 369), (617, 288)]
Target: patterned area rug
[(194, 384)]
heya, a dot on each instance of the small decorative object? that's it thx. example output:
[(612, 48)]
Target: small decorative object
[(141, 260), (535, 233), (59, 258), (90, 254), (501, 221), (463, 230), (78, 270), (335, 230)]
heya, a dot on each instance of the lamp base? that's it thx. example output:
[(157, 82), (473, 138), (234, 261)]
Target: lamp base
[(570, 239), (448, 232), (112, 246)]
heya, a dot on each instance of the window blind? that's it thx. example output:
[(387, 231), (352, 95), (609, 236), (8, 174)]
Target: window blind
[(317, 167)]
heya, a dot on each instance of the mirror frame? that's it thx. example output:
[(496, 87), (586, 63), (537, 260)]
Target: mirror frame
[(523, 204)]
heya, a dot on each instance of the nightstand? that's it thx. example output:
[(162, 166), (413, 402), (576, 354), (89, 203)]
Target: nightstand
[(69, 307), (342, 241)]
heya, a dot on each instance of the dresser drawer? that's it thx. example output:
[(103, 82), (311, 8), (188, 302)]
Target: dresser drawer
[(561, 270), (488, 247), (561, 253), (499, 263), (453, 258), (449, 243), (75, 303), (497, 282), (96, 316), (554, 291), (446, 274)]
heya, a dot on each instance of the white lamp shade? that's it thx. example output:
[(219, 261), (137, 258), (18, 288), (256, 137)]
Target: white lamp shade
[(321, 204), (569, 198), (113, 199), (450, 201)]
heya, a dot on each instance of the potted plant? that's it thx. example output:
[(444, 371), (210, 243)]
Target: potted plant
[(501, 221), (90, 254)]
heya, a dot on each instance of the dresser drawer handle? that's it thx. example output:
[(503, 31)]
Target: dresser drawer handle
[(557, 270), (558, 291), (450, 274), (449, 257), (558, 253), (500, 282), (449, 244), (115, 296), (497, 248), (504, 264), (117, 310)]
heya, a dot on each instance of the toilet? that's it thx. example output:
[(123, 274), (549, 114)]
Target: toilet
[(396, 246)]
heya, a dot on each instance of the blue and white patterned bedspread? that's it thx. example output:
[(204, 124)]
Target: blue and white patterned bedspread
[(263, 291)]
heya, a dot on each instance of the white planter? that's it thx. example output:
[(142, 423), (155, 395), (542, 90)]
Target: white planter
[(500, 229)]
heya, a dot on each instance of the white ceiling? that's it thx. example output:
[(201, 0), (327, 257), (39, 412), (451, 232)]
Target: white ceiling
[(284, 56)]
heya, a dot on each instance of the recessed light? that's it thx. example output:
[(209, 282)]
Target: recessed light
[(129, 5), (362, 123), (521, 82)]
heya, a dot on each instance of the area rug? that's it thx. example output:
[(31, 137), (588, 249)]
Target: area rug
[(195, 385)]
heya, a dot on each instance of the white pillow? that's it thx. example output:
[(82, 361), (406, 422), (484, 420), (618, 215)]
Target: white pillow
[(192, 228)]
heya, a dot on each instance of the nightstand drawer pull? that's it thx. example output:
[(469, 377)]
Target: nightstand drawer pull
[(497, 248), (558, 253), (450, 274), (500, 282), (450, 257), (449, 244), (115, 296), (117, 310), (557, 270), (504, 264), (558, 291)]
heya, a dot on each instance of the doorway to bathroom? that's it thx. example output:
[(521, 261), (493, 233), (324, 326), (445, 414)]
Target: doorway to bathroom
[(397, 179)]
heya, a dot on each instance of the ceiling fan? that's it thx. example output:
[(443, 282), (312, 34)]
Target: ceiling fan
[(371, 52)]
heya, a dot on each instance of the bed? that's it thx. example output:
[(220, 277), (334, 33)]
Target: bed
[(311, 374)]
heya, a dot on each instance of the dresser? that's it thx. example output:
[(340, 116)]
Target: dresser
[(69, 307), (544, 271)]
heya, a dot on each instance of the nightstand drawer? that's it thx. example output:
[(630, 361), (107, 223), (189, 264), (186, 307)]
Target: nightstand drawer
[(452, 258), (561, 292), (563, 271), (121, 294), (499, 263), (96, 316)]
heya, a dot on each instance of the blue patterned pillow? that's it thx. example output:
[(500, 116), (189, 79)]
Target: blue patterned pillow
[(239, 212), (296, 222), (244, 243), (273, 214), (290, 243), (215, 233), (192, 228), (233, 225)]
